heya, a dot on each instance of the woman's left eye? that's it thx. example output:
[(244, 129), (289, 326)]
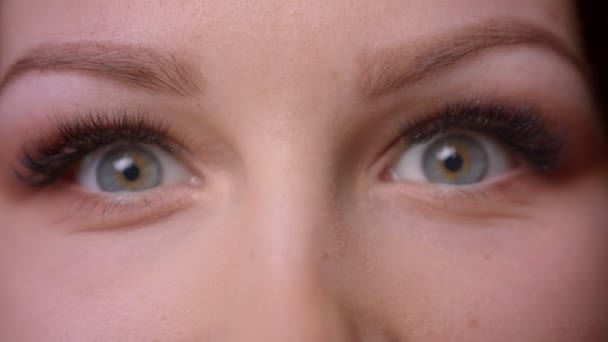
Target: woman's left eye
[(455, 158), (130, 168)]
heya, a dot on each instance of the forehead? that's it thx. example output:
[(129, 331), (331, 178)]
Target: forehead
[(302, 37), (265, 21)]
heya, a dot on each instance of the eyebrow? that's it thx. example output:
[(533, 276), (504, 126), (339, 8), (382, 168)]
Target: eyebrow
[(137, 66), (391, 69)]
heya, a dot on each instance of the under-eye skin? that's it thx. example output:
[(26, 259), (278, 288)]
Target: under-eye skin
[(472, 142)]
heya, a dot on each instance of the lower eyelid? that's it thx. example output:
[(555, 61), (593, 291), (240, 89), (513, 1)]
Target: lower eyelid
[(86, 211), (504, 196)]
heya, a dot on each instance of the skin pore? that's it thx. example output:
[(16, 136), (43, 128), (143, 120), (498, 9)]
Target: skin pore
[(286, 218)]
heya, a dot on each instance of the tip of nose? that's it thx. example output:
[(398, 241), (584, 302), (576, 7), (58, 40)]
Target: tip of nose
[(319, 327), (301, 313)]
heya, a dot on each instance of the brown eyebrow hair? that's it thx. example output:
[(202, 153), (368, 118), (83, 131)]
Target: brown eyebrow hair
[(390, 69), (137, 66)]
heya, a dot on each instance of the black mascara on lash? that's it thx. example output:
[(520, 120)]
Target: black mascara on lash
[(520, 128), (44, 161)]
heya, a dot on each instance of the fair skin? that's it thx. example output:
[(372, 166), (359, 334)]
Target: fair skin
[(289, 225)]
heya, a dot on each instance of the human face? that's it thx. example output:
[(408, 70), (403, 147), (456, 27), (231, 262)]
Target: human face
[(289, 208)]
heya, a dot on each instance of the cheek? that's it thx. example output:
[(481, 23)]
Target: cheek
[(83, 286), (539, 277), (164, 282), (550, 286)]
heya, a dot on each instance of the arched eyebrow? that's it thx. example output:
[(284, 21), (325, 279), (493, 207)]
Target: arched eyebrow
[(137, 66), (388, 70)]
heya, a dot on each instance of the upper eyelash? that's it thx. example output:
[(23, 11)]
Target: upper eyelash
[(49, 157), (519, 127)]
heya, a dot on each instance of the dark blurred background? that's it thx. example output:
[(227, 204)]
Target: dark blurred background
[(594, 21)]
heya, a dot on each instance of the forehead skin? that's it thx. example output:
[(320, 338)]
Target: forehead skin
[(283, 40)]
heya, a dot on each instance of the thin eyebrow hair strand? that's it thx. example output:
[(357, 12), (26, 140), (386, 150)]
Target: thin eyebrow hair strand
[(137, 66), (390, 69)]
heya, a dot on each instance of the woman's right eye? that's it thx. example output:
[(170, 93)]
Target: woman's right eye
[(127, 168)]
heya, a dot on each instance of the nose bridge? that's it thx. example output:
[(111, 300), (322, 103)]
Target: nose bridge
[(289, 182), (288, 193)]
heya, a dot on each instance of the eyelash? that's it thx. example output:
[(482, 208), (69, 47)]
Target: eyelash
[(519, 127), (45, 161), (50, 158)]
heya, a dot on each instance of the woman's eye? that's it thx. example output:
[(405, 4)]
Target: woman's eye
[(130, 168), (454, 158)]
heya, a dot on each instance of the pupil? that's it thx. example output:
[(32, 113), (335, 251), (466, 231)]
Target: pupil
[(131, 173), (453, 163)]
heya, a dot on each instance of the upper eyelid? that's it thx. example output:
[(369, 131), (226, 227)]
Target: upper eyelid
[(109, 126)]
